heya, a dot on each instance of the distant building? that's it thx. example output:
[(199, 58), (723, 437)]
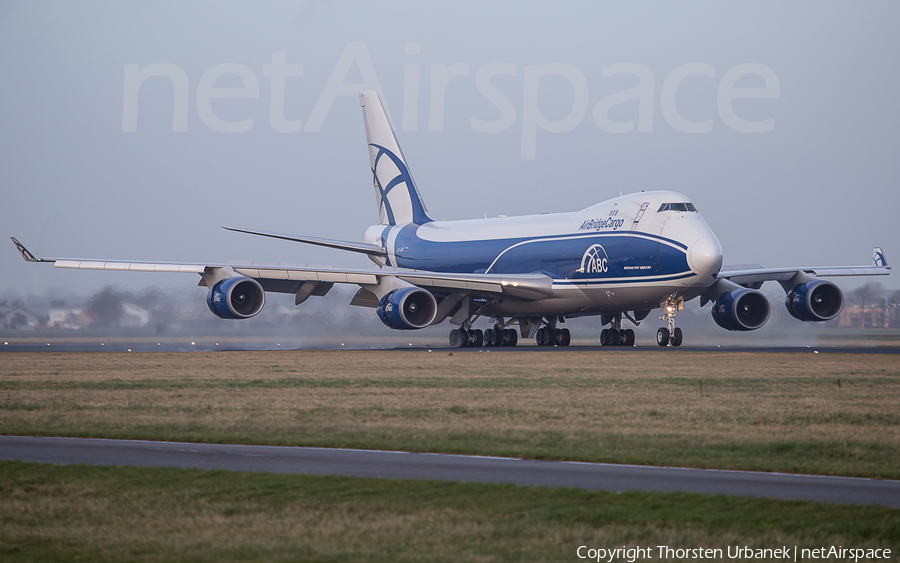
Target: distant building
[(133, 316), (869, 316), (18, 318), (72, 319)]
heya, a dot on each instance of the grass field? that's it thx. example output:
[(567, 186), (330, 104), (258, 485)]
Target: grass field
[(97, 514), (830, 414)]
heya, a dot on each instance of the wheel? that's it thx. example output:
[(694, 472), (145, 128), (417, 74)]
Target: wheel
[(454, 338), (677, 337), (604, 337), (487, 336), (539, 337), (550, 337), (479, 338), (565, 337), (498, 339), (614, 338), (662, 337), (513, 338), (628, 339)]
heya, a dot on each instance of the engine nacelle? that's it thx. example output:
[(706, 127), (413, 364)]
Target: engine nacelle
[(407, 308), (815, 301), (236, 298), (741, 309)]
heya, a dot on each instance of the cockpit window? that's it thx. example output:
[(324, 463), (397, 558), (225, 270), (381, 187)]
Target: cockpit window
[(677, 207)]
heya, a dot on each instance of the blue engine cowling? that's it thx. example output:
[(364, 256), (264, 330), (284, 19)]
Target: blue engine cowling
[(741, 309), (236, 298), (815, 301), (407, 308)]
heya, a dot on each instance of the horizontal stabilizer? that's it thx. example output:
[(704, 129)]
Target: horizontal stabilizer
[(361, 247)]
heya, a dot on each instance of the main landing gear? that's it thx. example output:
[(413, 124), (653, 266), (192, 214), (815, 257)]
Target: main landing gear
[(461, 338), (498, 336), (616, 335), (552, 336), (670, 335), (472, 337)]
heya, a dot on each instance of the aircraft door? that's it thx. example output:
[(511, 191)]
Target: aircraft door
[(640, 214)]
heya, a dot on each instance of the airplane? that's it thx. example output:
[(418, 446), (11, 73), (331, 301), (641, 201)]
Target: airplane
[(619, 260)]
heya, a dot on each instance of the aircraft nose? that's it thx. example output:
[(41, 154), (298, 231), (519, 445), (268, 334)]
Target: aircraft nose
[(706, 256)]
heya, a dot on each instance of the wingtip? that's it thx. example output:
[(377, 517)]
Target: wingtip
[(29, 257)]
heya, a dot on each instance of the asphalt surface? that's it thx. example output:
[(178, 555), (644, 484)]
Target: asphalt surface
[(439, 467), (53, 346)]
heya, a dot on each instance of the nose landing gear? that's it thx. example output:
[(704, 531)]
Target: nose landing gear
[(670, 335)]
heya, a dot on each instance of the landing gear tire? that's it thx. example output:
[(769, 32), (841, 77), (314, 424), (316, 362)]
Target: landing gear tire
[(628, 337), (512, 338), (604, 337), (677, 337), (615, 338), (662, 337), (549, 337), (476, 338), (458, 338), (565, 337), (488, 334)]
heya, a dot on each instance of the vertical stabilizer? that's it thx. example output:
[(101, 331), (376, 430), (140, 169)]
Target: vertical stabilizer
[(398, 198)]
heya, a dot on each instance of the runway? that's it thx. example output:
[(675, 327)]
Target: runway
[(440, 467), (139, 346)]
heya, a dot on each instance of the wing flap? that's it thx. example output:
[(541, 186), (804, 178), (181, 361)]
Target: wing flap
[(130, 266)]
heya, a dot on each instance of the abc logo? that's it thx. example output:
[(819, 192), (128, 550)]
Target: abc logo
[(594, 260)]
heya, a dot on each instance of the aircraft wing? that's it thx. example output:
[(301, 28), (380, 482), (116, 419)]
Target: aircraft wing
[(289, 278), (756, 276), (753, 275)]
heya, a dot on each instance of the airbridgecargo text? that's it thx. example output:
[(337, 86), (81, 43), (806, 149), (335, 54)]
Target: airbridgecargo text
[(601, 224), (785, 553), (355, 60)]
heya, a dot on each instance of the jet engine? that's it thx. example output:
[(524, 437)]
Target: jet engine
[(407, 308), (741, 309), (236, 298), (816, 301)]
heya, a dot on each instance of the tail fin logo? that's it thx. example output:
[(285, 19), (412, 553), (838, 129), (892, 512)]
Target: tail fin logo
[(878, 257), (399, 201)]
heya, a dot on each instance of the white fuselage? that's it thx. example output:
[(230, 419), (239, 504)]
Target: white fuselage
[(631, 253)]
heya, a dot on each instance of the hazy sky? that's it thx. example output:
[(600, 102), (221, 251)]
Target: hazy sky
[(123, 136)]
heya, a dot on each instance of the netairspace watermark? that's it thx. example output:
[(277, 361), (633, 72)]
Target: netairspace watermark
[(784, 553), (355, 58)]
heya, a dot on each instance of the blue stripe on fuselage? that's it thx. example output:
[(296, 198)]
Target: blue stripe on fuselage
[(628, 255)]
